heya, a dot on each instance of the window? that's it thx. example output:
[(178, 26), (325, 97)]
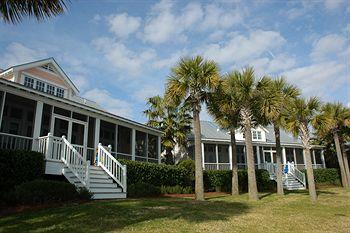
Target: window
[(50, 89), (256, 135), (40, 86), (60, 92), (28, 82), (49, 67)]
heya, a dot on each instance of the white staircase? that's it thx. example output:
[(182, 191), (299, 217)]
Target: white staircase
[(292, 178), (105, 181)]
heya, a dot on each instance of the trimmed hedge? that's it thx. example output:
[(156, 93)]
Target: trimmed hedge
[(17, 167), (177, 189), (183, 175), (156, 174), (326, 176), (46, 191)]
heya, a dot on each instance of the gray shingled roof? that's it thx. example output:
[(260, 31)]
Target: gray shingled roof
[(210, 130)]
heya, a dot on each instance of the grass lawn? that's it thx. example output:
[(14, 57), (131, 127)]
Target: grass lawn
[(291, 213)]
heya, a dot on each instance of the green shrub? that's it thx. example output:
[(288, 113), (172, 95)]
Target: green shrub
[(326, 176), (17, 167), (143, 190), (177, 189), (190, 167), (222, 180), (156, 174), (45, 191)]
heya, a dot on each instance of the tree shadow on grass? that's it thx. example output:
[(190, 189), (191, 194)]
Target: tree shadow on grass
[(100, 216)]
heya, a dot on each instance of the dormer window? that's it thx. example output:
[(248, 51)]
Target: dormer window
[(28, 82), (256, 135), (40, 86)]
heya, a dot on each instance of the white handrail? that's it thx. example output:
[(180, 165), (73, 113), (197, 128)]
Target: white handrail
[(112, 166), (75, 162), (296, 173)]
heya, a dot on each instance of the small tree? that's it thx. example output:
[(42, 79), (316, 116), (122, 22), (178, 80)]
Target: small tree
[(276, 94), (174, 121), (301, 115), (334, 117), (190, 82), (222, 106)]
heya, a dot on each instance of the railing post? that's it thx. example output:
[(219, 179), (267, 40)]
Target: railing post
[(63, 149), (87, 178), (49, 146), (124, 179), (98, 154)]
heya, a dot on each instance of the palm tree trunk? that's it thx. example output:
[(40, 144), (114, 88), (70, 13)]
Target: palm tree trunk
[(344, 179), (346, 163), (199, 189), (235, 190), (252, 187), (278, 160), (310, 171)]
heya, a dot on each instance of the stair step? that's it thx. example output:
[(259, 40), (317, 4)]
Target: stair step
[(109, 195), (103, 185), (105, 190)]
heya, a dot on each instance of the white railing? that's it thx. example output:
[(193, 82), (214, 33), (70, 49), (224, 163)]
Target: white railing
[(15, 142), (114, 169), (75, 162), (270, 167), (217, 166), (50, 146), (291, 169)]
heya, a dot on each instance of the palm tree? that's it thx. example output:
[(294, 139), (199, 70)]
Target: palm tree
[(174, 121), (274, 98), (302, 114), (334, 118), (222, 106), (242, 87), (190, 82), (13, 11)]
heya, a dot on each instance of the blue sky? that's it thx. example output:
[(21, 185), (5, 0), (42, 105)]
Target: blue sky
[(120, 52)]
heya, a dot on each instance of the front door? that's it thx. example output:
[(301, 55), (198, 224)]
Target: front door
[(75, 132)]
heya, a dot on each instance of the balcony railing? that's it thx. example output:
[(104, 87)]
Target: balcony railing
[(15, 142)]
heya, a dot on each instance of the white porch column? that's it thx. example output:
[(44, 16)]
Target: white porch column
[(97, 132), (245, 157), (230, 155), (133, 144), (295, 156), (116, 141), (86, 129), (37, 123), (304, 158), (159, 148), (217, 156), (284, 157), (146, 146), (258, 156), (203, 155), (322, 159), (2, 107)]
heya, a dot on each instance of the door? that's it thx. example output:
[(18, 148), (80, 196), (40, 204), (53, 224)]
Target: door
[(60, 127), (77, 137)]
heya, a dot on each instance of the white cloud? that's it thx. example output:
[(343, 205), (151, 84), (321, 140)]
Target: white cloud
[(146, 91), (220, 18), (327, 45), (319, 79), (241, 48), (272, 66), (332, 4), (295, 13), (122, 25), (164, 25), (170, 61), (17, 53), (96, 19), (108, 102), (123, 58)]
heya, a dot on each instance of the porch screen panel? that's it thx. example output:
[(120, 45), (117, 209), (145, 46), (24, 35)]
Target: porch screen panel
[(223, 154), (124, 140), (46, 120), (255, 152), (209, 153), (91, 132), (318, 156), (299, 155), (289, 155), (140, 149), (240, 154), (190, 151), (78, 131), (18, 116), (152, 146), (107, 134)]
